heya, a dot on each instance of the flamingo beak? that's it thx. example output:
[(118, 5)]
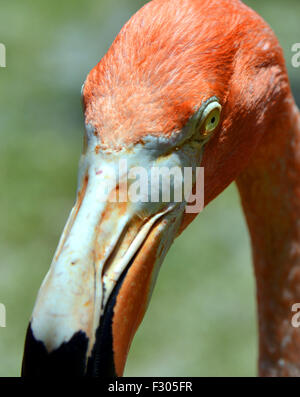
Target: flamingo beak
[(98, 287)]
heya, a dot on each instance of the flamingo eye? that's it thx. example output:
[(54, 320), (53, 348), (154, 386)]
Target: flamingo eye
[(212, 121), (208, 118), (211, 118)]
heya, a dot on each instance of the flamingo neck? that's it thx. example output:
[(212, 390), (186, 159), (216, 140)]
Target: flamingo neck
[(270, 194)]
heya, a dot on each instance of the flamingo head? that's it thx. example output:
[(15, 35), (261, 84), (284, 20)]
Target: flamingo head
[(186, 84)]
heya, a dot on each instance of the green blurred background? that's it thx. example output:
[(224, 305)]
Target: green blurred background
[(201, 320)]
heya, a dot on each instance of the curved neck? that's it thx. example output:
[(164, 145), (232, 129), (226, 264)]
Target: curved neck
[(270, 194)]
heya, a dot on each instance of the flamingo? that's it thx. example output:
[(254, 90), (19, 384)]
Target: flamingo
[(186, 83)]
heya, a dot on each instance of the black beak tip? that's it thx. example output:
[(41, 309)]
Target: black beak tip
[(68, 360)]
